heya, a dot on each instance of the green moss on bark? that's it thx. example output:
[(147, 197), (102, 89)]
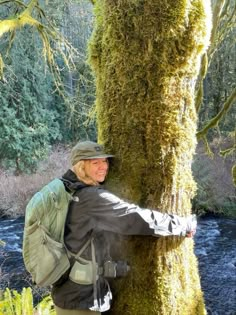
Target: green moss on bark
[(146, 56)]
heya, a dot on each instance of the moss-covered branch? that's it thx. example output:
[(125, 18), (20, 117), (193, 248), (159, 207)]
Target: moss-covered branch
[(215, 120), (201, 77), (223, 20), (228, 151), (47, 33), (234, 174), (20, 20), (217, 11)]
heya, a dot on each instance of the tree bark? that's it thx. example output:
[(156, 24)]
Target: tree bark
[(146, 58)]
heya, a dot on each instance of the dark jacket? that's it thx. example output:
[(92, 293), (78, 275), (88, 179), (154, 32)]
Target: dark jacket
[(94, 212)]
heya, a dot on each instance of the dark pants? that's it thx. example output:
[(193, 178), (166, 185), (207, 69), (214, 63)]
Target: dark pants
[(60, 311)]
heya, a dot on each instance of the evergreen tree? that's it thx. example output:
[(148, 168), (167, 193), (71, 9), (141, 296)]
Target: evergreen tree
[(69, 118), (27, 120)]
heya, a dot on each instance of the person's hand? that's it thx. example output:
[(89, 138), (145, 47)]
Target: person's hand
[(191, 233), (191, 226)]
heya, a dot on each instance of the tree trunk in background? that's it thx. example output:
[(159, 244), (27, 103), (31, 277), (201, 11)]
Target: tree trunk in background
[(146, 56)]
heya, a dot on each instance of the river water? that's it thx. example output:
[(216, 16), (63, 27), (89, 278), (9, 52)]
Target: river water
[(215, 247)]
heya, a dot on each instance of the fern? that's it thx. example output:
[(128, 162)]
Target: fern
[(14, 303), (27, 301), (17, 305)]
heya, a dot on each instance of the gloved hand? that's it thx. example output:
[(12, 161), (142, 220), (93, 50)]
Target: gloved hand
[(191, 225)]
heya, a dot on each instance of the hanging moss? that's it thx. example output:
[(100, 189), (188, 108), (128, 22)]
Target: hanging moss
[(146, 56), (234, 174)]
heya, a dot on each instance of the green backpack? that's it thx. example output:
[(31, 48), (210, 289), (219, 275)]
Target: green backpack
[(44, 253)]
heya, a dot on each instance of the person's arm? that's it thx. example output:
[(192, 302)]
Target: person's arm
[(169, 224), (114, 214)]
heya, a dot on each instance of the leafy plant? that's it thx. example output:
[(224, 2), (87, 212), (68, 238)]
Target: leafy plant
[(14, 303)]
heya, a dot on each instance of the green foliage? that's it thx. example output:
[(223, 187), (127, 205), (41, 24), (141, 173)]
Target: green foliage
[(33, 116), (45, 307), (219, 83), (218, 111), (14, 303), (28, 124), (78, 120), (32, 14)]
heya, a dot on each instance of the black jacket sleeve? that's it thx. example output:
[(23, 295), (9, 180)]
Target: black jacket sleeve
[(110, 213)]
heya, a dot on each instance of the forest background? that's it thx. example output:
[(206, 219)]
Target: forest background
[(45, 110), (46, 107)]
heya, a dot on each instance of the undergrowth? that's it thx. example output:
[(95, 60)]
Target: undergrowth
[(14, 303), (216, 193), (16, 191)]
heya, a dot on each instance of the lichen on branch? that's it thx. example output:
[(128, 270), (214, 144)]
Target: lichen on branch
[(53, 42)]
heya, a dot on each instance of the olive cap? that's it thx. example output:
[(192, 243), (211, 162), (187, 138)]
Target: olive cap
[(87, 150)]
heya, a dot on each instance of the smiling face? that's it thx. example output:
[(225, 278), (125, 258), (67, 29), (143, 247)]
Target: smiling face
[(96, 169)]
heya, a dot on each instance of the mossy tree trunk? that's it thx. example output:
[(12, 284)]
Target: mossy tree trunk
[(146, 56)]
